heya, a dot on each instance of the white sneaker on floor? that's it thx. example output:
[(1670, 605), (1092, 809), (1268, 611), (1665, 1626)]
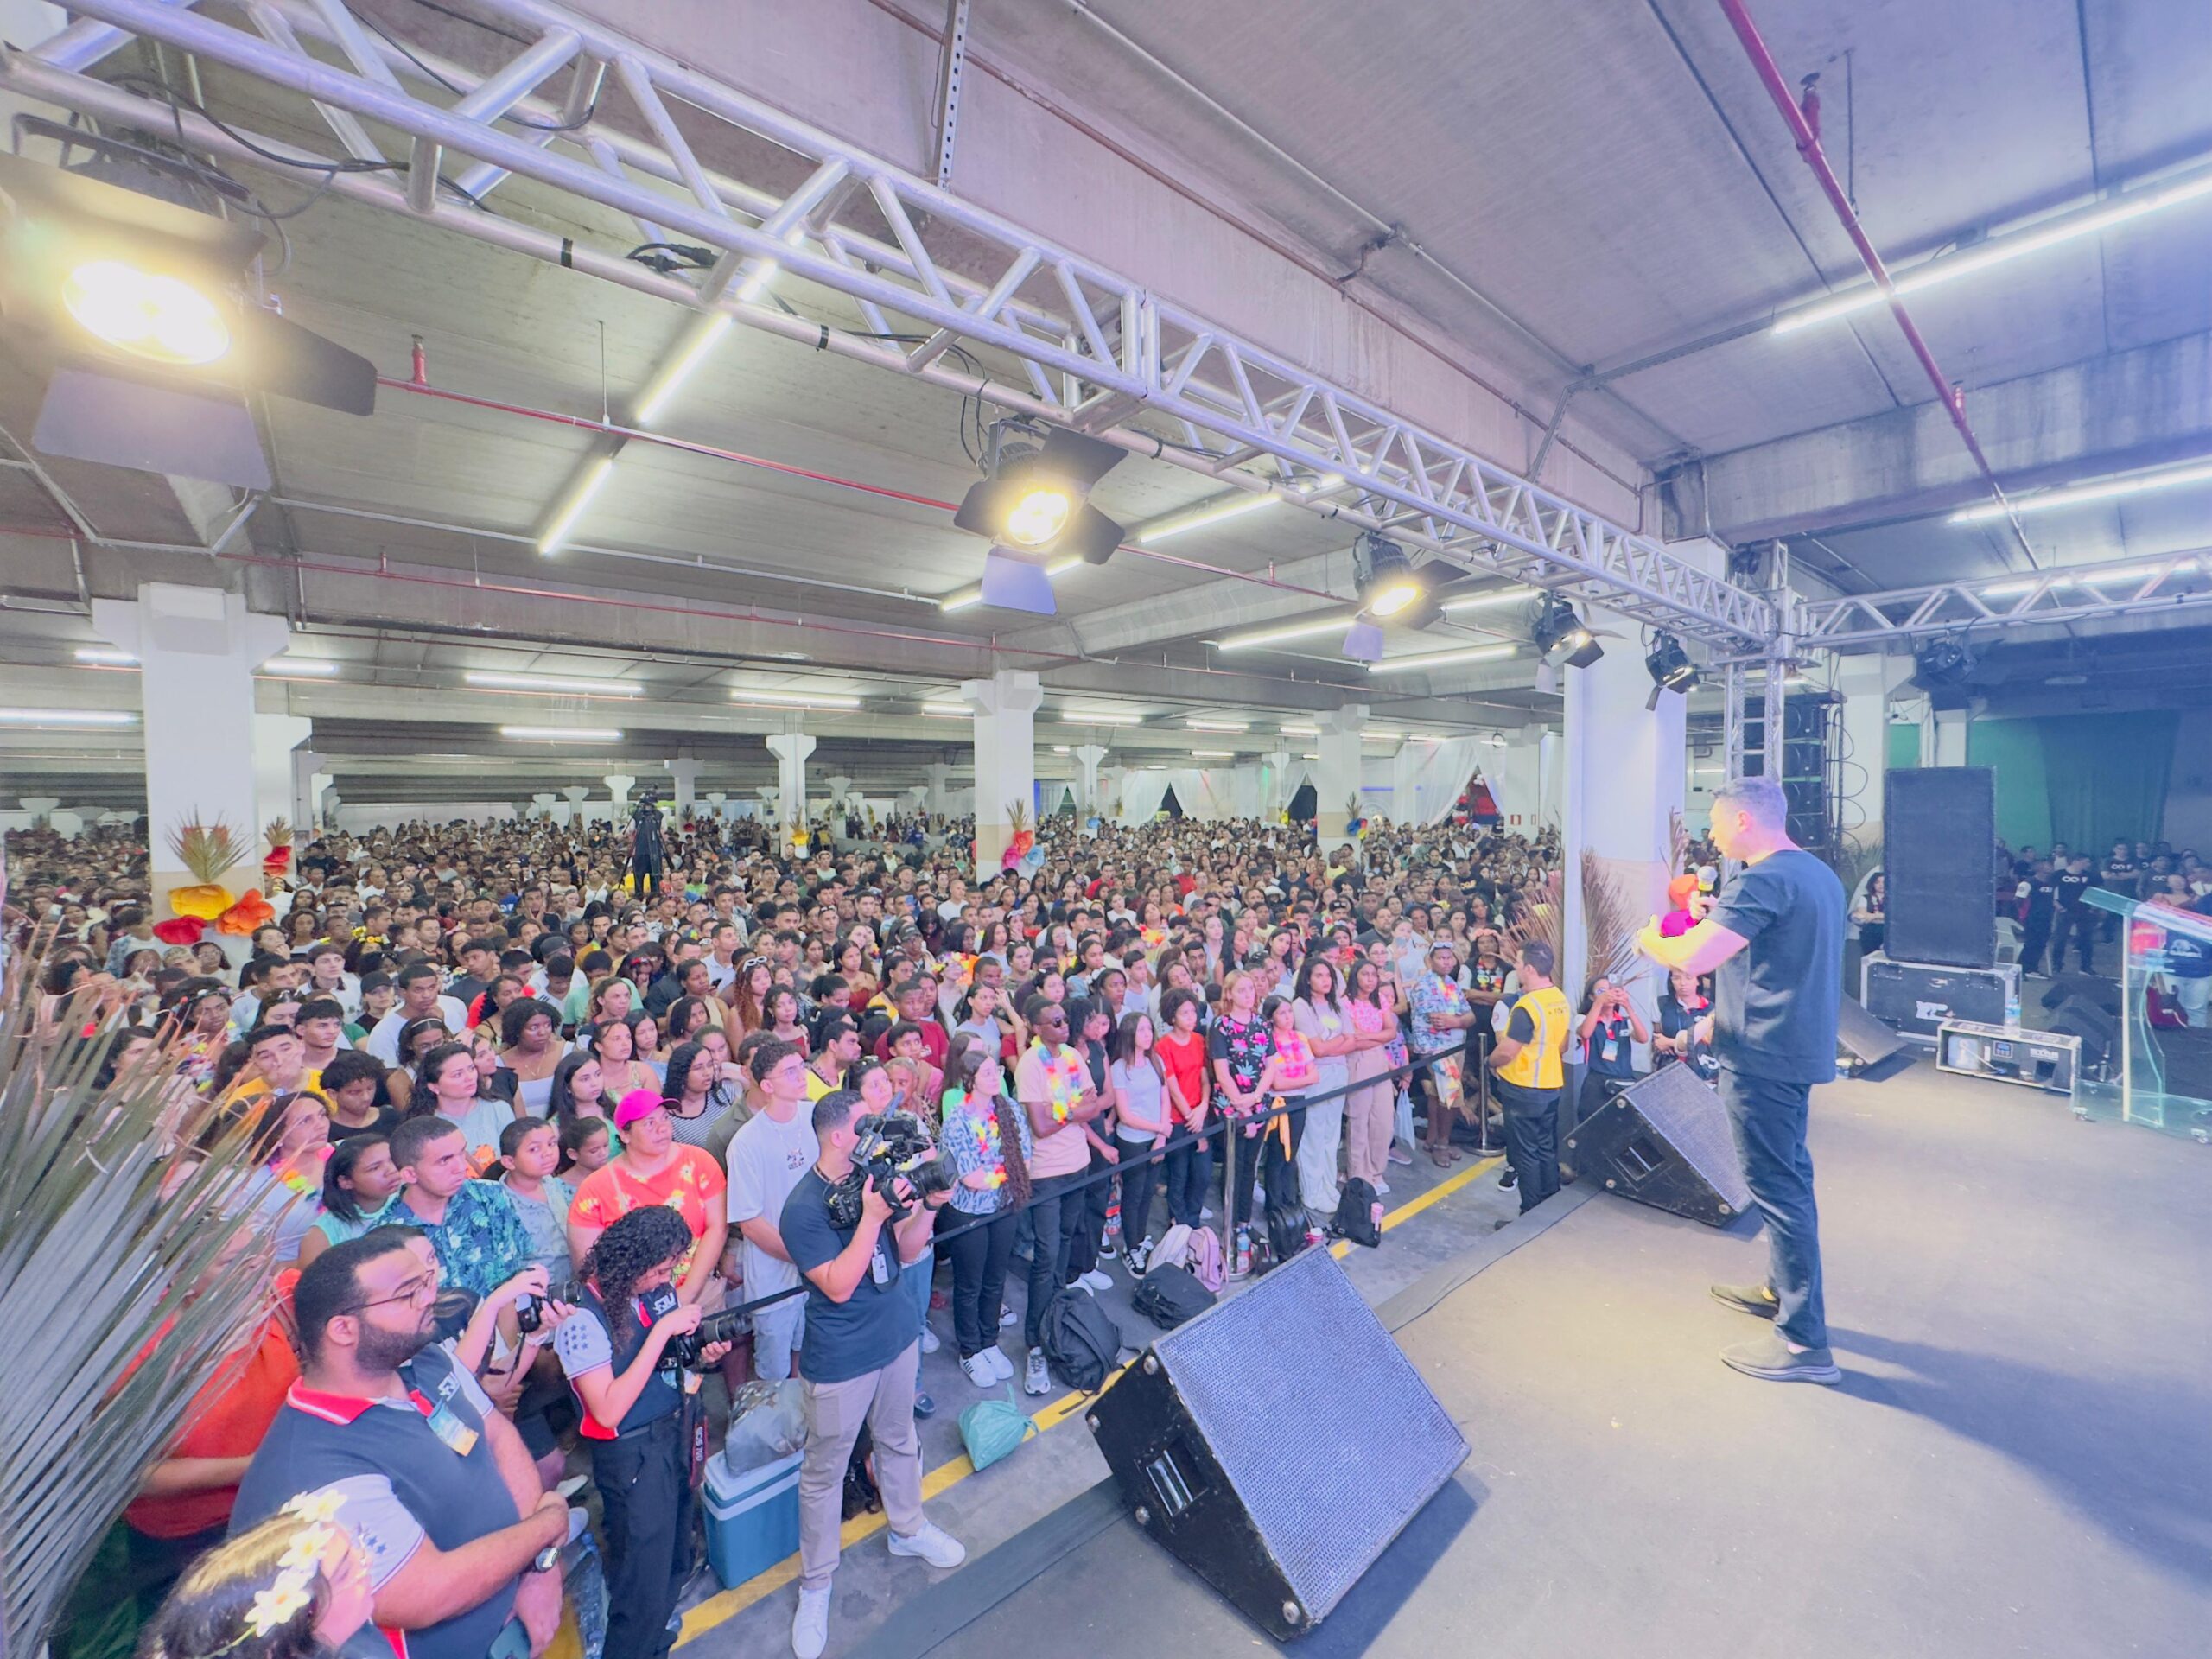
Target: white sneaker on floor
[(931, 1544), (1000, 1363), (981, 1371), (1097, 1280), (1035, 1379), (1006, 1317), (1381, 1189), (930, 1343), (810, 1624)]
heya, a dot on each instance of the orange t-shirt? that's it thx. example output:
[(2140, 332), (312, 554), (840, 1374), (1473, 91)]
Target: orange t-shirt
[(692, 1185), (227, 1418)]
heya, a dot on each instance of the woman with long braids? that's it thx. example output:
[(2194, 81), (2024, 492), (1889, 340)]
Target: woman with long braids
[(637, 1404), (992, 1181)]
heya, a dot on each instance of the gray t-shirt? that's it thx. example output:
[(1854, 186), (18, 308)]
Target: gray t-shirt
[(765, 1161), (1318, 1019), (1143, 1095), (1774, 1001)]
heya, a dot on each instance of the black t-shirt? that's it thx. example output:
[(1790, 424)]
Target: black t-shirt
[(870, 1328), (2071, 886), (2042, 894), (386, 1119), (1611, 1050), (1774, 1010), (2121, 874)]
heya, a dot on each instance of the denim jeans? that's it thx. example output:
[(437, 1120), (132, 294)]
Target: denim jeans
[(1190, 1172), (1768, 1119)]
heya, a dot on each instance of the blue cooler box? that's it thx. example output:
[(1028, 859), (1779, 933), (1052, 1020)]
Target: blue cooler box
[(752, 1518)]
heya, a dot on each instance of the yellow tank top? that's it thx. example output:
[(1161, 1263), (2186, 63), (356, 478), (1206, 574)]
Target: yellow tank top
[(1538, 1064)]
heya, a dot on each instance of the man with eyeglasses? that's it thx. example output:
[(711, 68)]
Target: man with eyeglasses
[(462, 1539)]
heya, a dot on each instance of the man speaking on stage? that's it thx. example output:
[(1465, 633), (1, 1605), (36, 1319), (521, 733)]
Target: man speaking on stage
[(1776, 937)]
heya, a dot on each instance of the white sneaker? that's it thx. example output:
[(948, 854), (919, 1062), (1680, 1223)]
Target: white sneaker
[(932, 1544), (981, 1371), (1094, 1281), (1006, 1317), (1000, 1363), (810, 1624), (930, 1343), (1381, 1189), (1205, 1214)]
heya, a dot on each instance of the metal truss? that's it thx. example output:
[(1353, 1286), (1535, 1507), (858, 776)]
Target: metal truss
[(2071, 593), (1099, 352)]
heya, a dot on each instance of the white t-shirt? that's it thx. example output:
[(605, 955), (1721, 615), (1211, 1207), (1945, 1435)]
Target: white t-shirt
[(766, 1161), (383, 1041)]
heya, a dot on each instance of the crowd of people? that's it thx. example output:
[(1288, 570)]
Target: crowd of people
[(531, 1110)]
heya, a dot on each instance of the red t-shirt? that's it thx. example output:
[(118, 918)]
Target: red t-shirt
[(1185, 1060)]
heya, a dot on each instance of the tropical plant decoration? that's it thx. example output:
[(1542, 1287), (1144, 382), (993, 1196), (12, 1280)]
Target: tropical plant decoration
[(1607, 925), (1354, 816), (276, 862), (1020, 836), (126, 1215), (795, 832), (208, 852), (1538, 920)]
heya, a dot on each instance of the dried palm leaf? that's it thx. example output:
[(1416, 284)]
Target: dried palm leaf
[(208, 850), (1678, 842), (1608, 924)]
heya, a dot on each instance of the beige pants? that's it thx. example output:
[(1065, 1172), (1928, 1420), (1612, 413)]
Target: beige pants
[(884, 1401), (1370, 1116)]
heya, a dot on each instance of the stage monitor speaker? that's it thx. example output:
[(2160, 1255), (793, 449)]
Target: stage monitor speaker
[(2099, 1031), (2097, 993), (1665, 1141), (1939, 828), (1872, 1052), (1277, 1443)]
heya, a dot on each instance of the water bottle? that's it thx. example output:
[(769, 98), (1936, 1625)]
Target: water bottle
[(2012, 1003), (1242, 1264)]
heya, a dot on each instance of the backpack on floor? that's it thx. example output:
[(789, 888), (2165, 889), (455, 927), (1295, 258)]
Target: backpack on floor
[(1202, 1255), (1171, 1296), (1286, 1230), (1358, 1216), (1080, 1342), (1173, 1249)]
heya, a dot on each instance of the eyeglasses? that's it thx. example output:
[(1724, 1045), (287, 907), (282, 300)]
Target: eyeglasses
[(422, 1287)]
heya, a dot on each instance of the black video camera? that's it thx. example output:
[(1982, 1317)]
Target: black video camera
[(894, 1146), (684, 1351)]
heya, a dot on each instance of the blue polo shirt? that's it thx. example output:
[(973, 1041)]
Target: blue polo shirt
[(400, 1483)]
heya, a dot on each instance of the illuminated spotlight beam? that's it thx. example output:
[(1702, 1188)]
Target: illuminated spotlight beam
[(587, 484)]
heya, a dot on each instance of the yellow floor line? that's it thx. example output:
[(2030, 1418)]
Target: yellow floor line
[(721, 1608)]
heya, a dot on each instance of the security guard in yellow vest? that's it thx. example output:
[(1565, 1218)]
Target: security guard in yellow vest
[(1530, 1063)]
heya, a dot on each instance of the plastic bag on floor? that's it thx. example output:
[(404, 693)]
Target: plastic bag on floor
[(992, 1428), (767, 1420)]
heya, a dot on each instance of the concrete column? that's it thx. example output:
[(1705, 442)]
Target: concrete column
[(1276, 795), (1951, 736), (791, 750), (619, 785), (277, 741), (937, 799), (1005, 758), (685, 772), (39, 806), (840, 787), (918, 795), (1625, 771), (543, 805), (572, 815), (1336, 781), (1088, 757), (1867, 683), (1109, 792), (1550, 808), (1404, 766), (306, 765), (197, 651), (716, 797), (768, 793)]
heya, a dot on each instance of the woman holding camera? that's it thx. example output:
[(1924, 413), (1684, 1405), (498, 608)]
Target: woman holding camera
[(1609, 1024), (638, 1405)]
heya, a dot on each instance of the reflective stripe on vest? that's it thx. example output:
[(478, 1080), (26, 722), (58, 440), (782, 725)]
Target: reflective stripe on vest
[(1538, 1064)]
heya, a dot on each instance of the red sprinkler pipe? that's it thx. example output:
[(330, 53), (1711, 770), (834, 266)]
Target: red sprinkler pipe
[(1808, 146)]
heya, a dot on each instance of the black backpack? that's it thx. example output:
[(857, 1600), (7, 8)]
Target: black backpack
[(1355, 1217), (1285, 1231), (1081, 1343), (1171, 1296)]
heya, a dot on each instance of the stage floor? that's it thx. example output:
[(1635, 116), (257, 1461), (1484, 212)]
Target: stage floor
[(2019, 1462)]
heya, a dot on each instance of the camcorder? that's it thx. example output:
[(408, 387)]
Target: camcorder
[(682, 1352), (894, 1146)]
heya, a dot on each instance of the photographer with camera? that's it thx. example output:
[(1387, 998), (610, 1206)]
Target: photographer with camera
[(1609, 1026), (862, 1357), (639, 1398)]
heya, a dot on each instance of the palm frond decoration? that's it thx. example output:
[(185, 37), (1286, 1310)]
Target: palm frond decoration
[(208, 850), (1678, 842), (1017, 816), (278, 834), (1538, 920), (126, 1221), (1607, 926)]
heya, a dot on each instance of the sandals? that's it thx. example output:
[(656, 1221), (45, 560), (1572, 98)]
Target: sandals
[(1440, 1157)]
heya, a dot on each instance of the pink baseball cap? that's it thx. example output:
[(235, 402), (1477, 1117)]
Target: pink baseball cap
[(634, 1105)]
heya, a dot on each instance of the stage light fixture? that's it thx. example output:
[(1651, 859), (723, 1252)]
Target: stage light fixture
[(1034, 500), (1388, 585), (1942, 663), (164, 319), (1556, 624), (1670, 668)]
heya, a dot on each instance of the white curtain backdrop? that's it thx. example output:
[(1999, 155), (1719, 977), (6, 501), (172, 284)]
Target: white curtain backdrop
[(1440, 772), (1142, 794), (1209, 792)]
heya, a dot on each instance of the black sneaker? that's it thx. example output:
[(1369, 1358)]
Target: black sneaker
[(1757, 1301), (924, 1406), (1508, 1180), (1769, 1359)]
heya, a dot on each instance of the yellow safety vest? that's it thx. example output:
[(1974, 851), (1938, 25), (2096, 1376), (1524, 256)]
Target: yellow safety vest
[(1538, 1064)]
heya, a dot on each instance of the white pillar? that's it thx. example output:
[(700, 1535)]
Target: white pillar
[(276, 742), (1005, 758), (619, 785), (840, 787), (1336, 781), (1625, 771), (572, 816), (39, 806), (307, 766), (791, 750), (936, 798), (197, 651), (1867, 683), (1951, 737), (685, 771), (543, 804), (716, 797), (1088, 757), (917, 796)]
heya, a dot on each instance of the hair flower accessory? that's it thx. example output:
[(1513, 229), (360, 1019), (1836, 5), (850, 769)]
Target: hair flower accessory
[(277, 1606)]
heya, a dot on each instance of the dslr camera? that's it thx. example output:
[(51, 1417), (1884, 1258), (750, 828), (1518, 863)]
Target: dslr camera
[(682, 1352), (894, 1146)]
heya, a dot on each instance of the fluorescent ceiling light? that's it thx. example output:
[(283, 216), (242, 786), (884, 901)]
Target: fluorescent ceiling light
[(1219, 725), (1060, 748), (2131, 204), (1301, 731), (299, 668), (104, 657), (66, 717), (1081, 717), (562, 733), (795, 699), (967, 596), (1376, 734), (2093, 577), (1309, 755), (1200, 518), (2074, 494), (594, 477), (540, 683), (947, 710), (1215, 754), (1493, 596), (1441, 659), (1277, 636), (704, 337)]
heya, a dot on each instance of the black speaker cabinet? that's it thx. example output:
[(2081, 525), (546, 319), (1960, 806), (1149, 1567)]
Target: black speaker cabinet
[(1939, 825), (1277, 1443), (1665, 1141), (1867, 1049), (1915, 998)]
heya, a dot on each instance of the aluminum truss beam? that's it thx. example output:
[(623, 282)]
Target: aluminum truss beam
[(1100, 350), (2068, 594)]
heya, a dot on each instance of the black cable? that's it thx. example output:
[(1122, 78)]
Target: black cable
[(401, 47)]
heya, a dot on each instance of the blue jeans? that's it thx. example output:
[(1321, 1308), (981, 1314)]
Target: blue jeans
[(1768, 1119)]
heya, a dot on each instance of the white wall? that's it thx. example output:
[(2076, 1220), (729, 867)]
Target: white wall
[(2189, 796)]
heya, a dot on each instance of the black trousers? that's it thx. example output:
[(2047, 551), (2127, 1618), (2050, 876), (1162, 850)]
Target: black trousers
[(645, 1496), (645, 868), (1531, 1138), (1083, 1248), (2035, 937), (2079, 924), (979, 1259), (1190, 1172), (1056, 1213), (1139, 1175)]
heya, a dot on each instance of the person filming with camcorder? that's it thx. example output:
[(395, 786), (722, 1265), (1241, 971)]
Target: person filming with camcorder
[(629, 1349), (862, 1357)]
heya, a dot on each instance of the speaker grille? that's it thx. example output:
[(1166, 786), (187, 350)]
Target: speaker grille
[(1329, 1435), (1687, 1110), (1939, 828)]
